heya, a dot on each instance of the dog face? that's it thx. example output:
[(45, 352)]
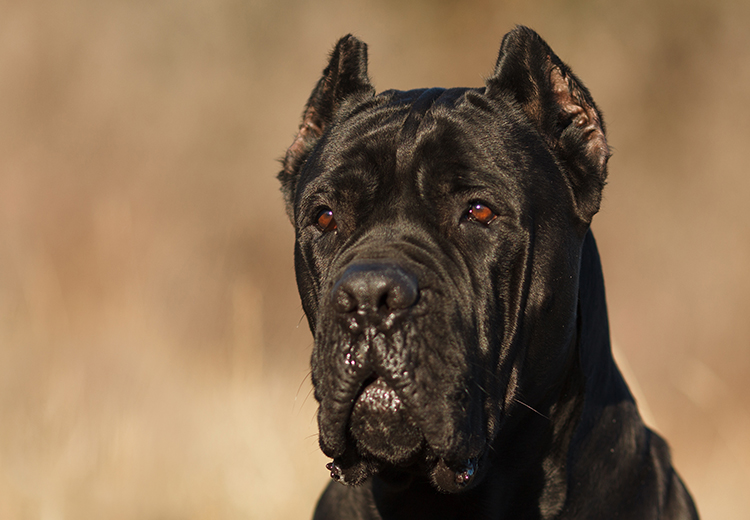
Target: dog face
[(438, 238)]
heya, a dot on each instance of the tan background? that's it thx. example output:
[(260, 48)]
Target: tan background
[(153, 352)]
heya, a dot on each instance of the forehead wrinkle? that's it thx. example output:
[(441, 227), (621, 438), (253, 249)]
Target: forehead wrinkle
[(423, 106), (426, 107), (361, 153), (449, 145), (446, 153)]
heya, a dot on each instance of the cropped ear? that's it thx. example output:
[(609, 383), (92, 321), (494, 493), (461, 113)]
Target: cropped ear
[(345, 77), (560, 107)]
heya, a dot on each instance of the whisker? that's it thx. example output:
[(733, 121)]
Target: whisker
[(309, 393), (482, 389), (299, 388), (530, 408), (301, 318), (309, 373)]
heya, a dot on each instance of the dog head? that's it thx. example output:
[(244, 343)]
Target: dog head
[(438, 241)]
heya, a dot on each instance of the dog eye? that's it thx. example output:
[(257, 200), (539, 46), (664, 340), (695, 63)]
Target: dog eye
[(481, 213), (325, 220)]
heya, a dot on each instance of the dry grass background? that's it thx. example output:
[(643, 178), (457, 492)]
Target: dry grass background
[(153, 352)]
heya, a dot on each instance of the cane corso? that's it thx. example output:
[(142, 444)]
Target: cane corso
[(462, 361)]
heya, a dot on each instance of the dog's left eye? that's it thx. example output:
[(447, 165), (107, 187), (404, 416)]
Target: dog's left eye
[(325, 220), (481, 213)]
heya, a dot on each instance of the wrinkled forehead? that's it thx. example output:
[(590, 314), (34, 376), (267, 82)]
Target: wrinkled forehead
[(393, 119), (419, 103), (416, 135)]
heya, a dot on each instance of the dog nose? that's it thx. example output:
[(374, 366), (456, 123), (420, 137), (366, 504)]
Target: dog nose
[(375, 289)]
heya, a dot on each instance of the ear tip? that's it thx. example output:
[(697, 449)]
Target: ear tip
[(523, 37), (350, 38), (350, 49), (523, 29), (351, 43), (522, 33)]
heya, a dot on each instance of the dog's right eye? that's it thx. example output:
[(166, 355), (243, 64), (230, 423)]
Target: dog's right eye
[(325, 220)]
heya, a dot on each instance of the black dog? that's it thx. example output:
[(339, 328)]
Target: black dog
[(444, 260)]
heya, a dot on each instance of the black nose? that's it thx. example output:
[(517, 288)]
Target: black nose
[(375, 290)]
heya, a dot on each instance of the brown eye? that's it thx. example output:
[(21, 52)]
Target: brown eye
[(481, 213), (325, 221)]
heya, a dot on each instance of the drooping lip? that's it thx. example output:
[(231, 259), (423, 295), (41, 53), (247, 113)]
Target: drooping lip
[(353, 465), (344, 409), (370, 392)]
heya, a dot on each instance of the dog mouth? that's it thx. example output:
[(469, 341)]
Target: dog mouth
[(384, 437)]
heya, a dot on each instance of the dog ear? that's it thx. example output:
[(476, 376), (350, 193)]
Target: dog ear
[(560, 107), (345, 77)]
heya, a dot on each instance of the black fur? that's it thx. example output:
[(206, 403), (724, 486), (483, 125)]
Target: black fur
[(445, 264)]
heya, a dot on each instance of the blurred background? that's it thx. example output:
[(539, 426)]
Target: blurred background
[(153, 351)]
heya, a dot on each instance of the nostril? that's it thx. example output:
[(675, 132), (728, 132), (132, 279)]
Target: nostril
[(385, 299)]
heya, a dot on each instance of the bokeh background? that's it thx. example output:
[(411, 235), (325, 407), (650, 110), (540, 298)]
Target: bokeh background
[(153, 351)]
